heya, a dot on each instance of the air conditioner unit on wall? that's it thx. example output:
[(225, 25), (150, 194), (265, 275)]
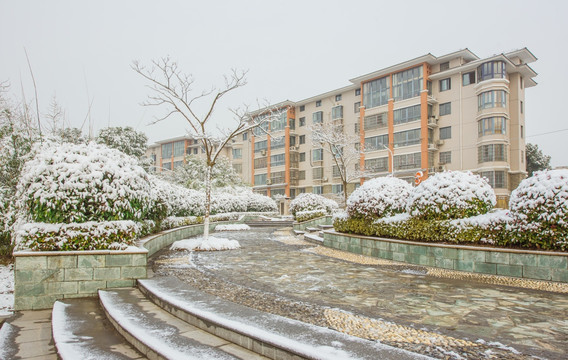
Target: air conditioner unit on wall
[(268, 182), (441, 168), (440, 142), (262, 152)]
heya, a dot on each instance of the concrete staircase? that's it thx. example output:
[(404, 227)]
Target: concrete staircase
[(165, 318), (315, 234)]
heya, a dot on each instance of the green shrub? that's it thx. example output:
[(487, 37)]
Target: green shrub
[(302, 216), (114, 235)]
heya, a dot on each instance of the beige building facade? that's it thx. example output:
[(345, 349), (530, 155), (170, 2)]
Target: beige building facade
[(422, 116)]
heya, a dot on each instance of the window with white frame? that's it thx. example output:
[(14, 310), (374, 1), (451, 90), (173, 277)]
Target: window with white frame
[(445, 84), (317, 117), (337, 112), (317, 155), (445, 157), (445, 109), (491, 152), (376, 142), (445, 132)]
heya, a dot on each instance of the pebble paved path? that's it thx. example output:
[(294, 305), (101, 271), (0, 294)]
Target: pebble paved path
[(434, 313)]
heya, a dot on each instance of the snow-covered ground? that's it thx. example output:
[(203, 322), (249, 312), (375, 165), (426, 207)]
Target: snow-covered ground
[(6, 290), (232, 227), (212, 243)]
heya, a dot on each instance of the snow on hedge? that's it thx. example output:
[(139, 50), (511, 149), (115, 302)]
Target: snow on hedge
[(116, 235), (177, 200), (211, 244), (83, 182), (540, 205), (6, 290), (311, 202), (379, 197), (451, 195), (232, 227)]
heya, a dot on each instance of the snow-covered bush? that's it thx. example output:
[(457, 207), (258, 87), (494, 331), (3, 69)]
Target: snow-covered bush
[(5, 241), (224, 202), (540, 207), (310, 202), (83, 236), (67, 183), (379, 197), (260, 203), (451, 195), (176, 200)]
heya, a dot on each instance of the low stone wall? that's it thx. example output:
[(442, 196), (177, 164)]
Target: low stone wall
[(324, 220), (539, 265), (42, 277)]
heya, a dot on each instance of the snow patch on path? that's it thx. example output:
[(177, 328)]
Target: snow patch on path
[(209, 244), (232, 227)]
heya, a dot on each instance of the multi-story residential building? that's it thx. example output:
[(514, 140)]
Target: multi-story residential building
[(425, 115)]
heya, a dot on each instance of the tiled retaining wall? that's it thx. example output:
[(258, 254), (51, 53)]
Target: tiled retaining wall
[(324, 220), (541, 265), (41, 277)]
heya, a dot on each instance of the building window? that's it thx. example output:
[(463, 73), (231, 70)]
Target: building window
[(491, 126), (237, 153), (497, 179), (337, 188), (358, 92), (491, 99), (445, 109), (409, 114), (377, 121), (278, 142), (278, 177), (302, 175), (238, 168), (317, 155), (377, 165), (491, 152), (338, 97), (521, 81), (167, 150), (317, 117), (336, 171), (167, 165), (292, 140), (302, 121), (356, 107), (468, 78), (407, 161), (318, 103), (444, 66), (522, 157), (260, 146), (407, 84), (292, 124), (445, 84), (302, 139), (279, 124), (277, 160), (522, 132), (302, 107), (445, 157), (262, 129), (260, 163), (376, 93), (491, 70), (376, 142), (260, 179), (317, 190), (406, 138), (245, 136), (337, 112), (179, 148), (445, 133), (302, 157), (317, 173), (522, 107)]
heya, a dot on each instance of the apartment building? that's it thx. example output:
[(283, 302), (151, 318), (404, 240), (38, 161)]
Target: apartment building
[(425, 115)]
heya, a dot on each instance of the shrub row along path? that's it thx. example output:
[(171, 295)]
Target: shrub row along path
[(396, 304)]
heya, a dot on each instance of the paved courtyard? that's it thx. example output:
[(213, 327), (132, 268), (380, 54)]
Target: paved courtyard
[(396, 304)]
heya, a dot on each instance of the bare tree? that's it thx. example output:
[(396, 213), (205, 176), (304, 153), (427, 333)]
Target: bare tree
[(172, 88), (342, 148)]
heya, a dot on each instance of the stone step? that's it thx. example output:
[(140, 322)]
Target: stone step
[(299, 232), (325, 227), (271, 335), (313, 238), (269, 223), (313, 229), (159, 335), (79, 327)]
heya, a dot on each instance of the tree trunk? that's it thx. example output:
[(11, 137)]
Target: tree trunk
[(207, 203), (345, 194)]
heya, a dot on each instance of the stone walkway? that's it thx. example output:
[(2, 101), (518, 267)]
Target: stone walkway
[(397, 304)]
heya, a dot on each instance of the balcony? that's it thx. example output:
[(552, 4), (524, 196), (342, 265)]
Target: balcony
[(433, 122)]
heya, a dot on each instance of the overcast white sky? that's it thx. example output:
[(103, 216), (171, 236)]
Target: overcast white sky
[(81, 51)]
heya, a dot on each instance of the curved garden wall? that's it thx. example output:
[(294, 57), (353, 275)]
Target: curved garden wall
[(539, 265)]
